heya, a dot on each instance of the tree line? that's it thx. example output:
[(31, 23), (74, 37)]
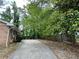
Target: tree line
[(52, 18), (48, 18)]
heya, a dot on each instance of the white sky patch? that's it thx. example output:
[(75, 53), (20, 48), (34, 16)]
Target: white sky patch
[(20, 3)]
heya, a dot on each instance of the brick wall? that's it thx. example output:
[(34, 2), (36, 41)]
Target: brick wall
[(3, 34)]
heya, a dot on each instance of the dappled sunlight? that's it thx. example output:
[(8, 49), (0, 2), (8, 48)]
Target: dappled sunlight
[(31, 41)]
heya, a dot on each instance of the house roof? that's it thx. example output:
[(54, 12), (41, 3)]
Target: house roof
[(10, 25), (7, 23)]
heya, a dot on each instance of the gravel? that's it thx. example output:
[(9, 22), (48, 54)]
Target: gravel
[(32, 49)]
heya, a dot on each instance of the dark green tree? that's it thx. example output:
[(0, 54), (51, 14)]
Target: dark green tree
[(70, 10), (15, 14), (6, 15)]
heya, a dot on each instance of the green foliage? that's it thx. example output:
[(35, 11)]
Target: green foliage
[(66, 4), (48, 21), (15, 14), (70, 22), (6, 15), (41, 22)]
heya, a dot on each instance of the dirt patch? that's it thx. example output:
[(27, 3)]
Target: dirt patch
[(62, 50), (4, 52)]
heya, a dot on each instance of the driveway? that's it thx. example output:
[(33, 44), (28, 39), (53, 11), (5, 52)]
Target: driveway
[(32, 49)]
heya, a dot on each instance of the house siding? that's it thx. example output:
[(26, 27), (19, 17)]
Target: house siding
[(3, 34)]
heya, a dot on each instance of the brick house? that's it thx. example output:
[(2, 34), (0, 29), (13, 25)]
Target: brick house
[(7, 33)]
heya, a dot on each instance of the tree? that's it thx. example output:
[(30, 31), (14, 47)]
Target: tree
[(6, 15), (66, 4), (48, 21), (15, 14), (40, 22), (70, 22)]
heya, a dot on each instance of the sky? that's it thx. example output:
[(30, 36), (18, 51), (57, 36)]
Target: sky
[(19, 3)]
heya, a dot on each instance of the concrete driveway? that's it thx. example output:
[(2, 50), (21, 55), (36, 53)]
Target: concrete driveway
[(32, 49)]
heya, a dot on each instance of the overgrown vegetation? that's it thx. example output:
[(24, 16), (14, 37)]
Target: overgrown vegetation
[(48, 18), (52, 18)]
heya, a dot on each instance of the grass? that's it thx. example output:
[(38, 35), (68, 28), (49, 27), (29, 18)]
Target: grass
[(63, 50), (5, 52)]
